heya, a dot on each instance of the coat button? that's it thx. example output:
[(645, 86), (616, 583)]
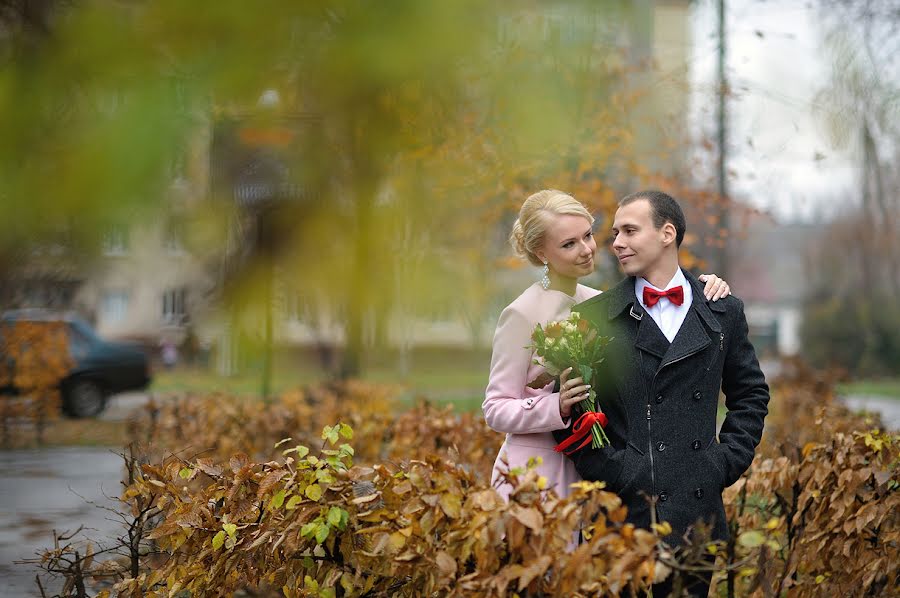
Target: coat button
[(663, 496), (661, 446), (698, 395), (659, 399), (698, 492), (529, 401), (695, 445)]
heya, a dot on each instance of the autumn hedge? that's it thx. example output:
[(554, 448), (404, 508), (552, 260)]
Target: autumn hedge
[(384, 504)]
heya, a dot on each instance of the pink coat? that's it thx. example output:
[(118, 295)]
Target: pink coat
[(527, 415)]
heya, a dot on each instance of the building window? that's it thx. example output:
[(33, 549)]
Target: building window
[(173, 242), (114, 306), (174, 305), (115, 241)]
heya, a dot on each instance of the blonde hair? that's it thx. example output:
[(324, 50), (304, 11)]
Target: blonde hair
[(530, 229)]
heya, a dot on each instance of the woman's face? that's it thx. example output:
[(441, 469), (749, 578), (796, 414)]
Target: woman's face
[(569, 246)]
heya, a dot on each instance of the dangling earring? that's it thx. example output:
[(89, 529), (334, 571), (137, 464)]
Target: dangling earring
[(545, 279)]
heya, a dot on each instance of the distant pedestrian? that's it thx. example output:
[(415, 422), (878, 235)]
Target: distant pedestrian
[(169, 354)]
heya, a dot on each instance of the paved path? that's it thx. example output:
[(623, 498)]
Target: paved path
[(888, 408), (53, 488), (46, 489)]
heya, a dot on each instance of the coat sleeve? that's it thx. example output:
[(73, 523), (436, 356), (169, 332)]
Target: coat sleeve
[(505, 406), (747, 399)]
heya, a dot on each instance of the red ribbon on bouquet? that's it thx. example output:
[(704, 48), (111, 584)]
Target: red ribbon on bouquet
[(582, 430)]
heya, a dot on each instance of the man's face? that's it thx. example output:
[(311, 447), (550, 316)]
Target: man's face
[(638, 245)]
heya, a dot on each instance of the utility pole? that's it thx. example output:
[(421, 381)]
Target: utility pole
[(721, 117)]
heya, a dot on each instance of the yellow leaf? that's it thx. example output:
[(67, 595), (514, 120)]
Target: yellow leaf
[(218, 540), (451, 505), (313, 492)]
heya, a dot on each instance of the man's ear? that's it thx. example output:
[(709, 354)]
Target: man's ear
[(669, 233)]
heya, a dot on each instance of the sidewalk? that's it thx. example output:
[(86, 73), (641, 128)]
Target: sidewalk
[(888, 408)]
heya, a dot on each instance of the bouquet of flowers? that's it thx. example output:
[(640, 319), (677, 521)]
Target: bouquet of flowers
[(576, 343)]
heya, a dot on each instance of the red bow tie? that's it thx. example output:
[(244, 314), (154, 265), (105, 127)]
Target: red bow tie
[(652, 296)]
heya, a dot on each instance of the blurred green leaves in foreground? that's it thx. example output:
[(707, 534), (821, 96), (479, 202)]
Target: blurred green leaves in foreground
[(388, 141)]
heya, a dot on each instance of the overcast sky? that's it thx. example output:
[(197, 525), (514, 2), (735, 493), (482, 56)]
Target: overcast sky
[(777, 62)]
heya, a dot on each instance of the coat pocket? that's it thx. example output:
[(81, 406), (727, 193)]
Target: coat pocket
[(712, 456), (632, 468)]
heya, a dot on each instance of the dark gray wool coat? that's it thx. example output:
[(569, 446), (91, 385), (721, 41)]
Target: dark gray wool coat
[(661, 402)]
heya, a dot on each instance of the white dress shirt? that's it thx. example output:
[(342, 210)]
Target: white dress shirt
[(668, 316)]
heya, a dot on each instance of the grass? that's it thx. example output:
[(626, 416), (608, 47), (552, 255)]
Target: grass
[(70, 432), (885, 387), (445, 376)]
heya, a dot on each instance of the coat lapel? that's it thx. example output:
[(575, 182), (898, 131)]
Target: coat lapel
[(649, 337), (691, 338)]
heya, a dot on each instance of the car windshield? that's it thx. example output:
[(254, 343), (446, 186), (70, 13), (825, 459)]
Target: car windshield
[(83, 328)]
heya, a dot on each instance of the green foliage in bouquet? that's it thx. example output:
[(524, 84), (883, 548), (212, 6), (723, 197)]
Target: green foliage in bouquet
[(576, 343)]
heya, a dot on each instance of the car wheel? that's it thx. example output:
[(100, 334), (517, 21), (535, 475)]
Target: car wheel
[(83, 398)]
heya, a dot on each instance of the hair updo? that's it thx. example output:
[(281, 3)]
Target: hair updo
[(530, 228)]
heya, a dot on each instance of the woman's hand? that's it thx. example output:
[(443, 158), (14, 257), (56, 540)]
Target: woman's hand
[(715, 288), (570, 392)]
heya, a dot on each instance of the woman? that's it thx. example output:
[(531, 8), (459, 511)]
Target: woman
[(554, 231)]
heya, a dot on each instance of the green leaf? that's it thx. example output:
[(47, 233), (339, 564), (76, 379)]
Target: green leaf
[(335, 516), (313, 492), (218, 540), (330, 434), (185, 473), (278, 499), (309, 529), (347, 449), (322, 533), (293, 502), (310, 583), (282, 441), (324, 476), (230, 529), (586, 373), (346, 431), (752, 539)]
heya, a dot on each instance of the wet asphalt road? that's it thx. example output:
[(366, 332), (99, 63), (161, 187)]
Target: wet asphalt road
[(46, 489), (57, 488)]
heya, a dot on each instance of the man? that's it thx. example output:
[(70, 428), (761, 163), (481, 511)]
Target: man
[(659, 384)]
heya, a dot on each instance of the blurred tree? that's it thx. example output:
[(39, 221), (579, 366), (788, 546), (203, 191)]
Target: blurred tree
[(426, 124), (855, 276)]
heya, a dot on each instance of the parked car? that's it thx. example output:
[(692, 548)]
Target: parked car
[(101, 367)]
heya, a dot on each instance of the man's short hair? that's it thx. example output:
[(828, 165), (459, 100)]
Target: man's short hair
[(663, 208)]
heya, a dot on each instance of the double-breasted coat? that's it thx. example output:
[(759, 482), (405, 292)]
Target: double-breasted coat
[(661, 399)]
